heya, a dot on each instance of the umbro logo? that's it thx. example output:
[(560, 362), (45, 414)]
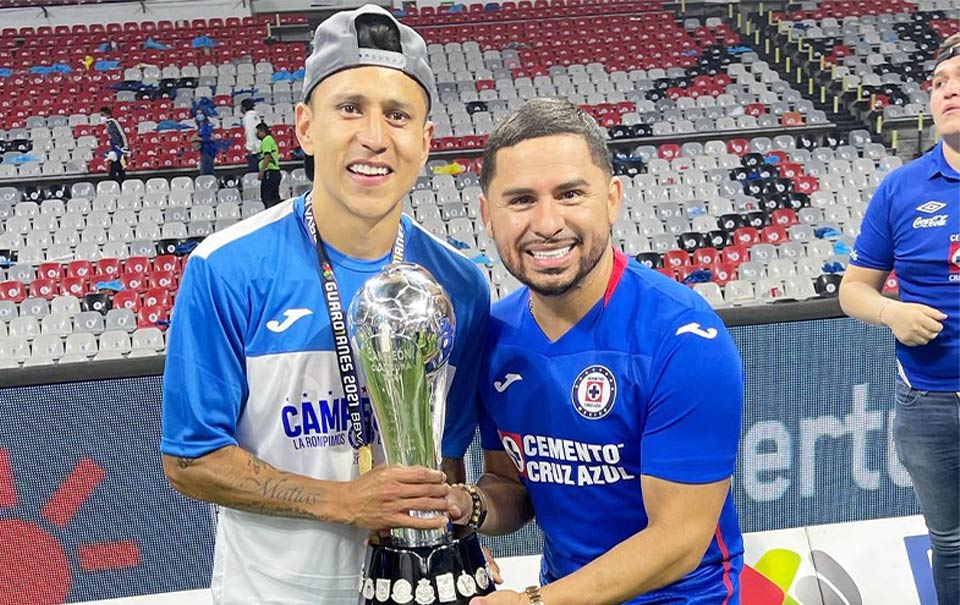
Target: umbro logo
[(931, 207), (507, 381), (290, 317)]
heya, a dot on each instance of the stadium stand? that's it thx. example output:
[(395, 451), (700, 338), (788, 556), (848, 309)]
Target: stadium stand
[(738, 182)]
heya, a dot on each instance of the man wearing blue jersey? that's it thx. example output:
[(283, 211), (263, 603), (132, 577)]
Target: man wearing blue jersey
[(264, 412), (912, 225), (611, 394)]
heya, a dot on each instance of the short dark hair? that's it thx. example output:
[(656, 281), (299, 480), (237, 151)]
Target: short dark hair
[(544, 118), (106, 111), (263, 126), (246, 104), (378, 32)]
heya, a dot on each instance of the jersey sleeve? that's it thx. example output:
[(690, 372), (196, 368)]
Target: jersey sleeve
[(695, 405), (874, 246), (489, 434), (461, 419), (204, 378)]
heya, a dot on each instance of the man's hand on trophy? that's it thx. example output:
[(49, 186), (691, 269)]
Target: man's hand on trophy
[(382, 498)]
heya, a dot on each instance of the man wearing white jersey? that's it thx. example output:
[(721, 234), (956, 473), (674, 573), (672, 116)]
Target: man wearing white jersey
[(263, 413)]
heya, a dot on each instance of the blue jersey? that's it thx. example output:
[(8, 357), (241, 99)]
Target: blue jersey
[(912, 226), (648, 382), (251, 362), (207, 145)]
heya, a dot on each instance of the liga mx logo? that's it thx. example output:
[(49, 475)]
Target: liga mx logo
[(594, 392)]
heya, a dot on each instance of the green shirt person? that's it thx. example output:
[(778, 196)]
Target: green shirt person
[(269, 152)]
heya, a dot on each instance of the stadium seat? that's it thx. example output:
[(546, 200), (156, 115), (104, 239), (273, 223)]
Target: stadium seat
[(89, 321), (57, 324), (147, 341), (121, 319), (46, 348), (81, 344), (151, 317), (114, 341)]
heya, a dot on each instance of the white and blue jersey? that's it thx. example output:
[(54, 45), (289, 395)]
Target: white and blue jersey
[(912, 226), (251, 362), (648, 382)]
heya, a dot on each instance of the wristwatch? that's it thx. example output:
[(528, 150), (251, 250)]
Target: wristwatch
[(479, 514), (533, 595)]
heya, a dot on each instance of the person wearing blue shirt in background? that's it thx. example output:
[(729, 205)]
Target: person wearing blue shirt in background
[(912, 226), (204, 142), (118, 145), (612, 395), (256, 416)]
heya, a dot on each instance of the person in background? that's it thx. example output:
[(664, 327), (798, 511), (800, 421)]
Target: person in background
[(204, 142), (252, 141), (116, 157), (912, 226), (269, 171)]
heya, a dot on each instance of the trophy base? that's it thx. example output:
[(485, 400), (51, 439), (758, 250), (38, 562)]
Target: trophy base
[(447, 574)]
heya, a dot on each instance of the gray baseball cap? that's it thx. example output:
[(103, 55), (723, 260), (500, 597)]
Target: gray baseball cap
[(335, 48)]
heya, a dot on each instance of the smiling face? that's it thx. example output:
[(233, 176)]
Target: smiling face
[(366, 129), (945, 97), (549, 209)]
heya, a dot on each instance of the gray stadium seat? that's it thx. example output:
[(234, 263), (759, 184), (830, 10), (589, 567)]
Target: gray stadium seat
[(114, 341), (59, 324), (121, 319), (89, 321), (147, 340), (47, 348)]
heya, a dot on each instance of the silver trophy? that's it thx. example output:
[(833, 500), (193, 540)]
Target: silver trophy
[(402, 327)]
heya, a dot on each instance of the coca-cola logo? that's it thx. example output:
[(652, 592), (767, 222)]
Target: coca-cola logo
[(923, 222)]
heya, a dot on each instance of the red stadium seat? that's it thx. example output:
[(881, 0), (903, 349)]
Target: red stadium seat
[(134, 281), (151, 317), (80, 268), (704, 257), (675, 259), (13, 290), (52, 271), (138, 265), (157, 297), (127, 299), (790, 170), (162, 279), (108, 266), (738, 146), (668, 151), (746, 236), (74, 286), (806, 184), (723, 273), (44, 288), (785, 217), (774, 234), (166, 262)]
